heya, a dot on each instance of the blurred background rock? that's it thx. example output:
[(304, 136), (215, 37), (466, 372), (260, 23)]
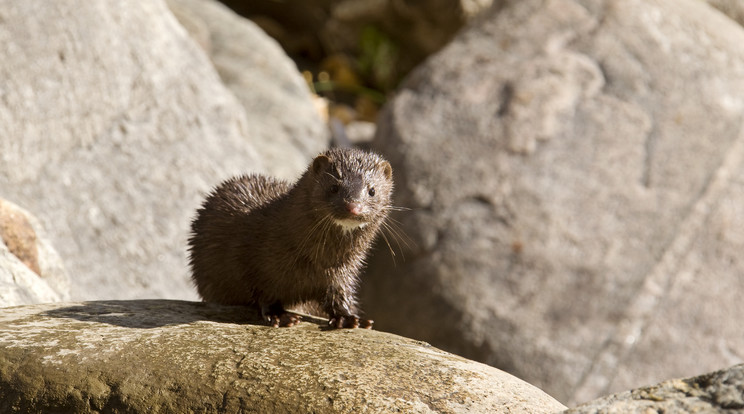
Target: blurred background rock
[(572, 167)]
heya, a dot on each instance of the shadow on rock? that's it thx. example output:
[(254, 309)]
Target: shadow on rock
[(155, 313)]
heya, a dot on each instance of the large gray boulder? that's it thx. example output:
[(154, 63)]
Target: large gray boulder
[(717, 392), (170, 356), (31, 271), (267, 83), (113, 125), (572, 169)]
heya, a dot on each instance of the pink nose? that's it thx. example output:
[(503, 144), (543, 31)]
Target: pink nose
[(354, 208)]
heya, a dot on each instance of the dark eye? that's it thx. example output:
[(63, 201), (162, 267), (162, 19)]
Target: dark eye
[(371, 192), (335, 188)]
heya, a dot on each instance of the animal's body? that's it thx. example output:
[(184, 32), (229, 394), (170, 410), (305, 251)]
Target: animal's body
[(263, 242)]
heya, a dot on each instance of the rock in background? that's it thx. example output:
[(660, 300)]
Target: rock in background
[(731, 8), (267, 83), (717, 392), (170, 356), (114, 123), (31, 271), (572, 169)]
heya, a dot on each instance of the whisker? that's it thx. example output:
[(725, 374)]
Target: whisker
[(326, 229), (396, 228), (303, 244), (397, 238), (392, 253), (396, 208), (393, 228), (315, 248)]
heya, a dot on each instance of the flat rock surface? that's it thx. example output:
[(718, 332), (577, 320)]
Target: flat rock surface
[(172, 356), (573, 170)]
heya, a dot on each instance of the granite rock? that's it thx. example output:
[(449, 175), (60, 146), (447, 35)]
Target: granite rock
[(171, 356), (734, 9), (114, 124), (576, 213), (289, 130), (31, 271), (717, 392)]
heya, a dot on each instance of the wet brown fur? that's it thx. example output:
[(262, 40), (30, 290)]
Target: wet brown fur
[(263, 242)]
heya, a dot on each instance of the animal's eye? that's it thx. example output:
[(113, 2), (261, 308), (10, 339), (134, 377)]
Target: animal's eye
[(371, 192), (335, 188)]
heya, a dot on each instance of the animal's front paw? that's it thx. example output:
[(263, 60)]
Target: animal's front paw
[(283, 320), (350, 322)]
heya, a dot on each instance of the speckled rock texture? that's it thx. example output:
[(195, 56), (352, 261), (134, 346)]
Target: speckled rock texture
[(717, 392), (573, 170), (31, 271), (171, 356), (113, 125)]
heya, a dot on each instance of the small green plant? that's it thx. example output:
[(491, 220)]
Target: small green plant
[(378, 58)]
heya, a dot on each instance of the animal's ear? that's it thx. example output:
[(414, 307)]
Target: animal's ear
[(320, 164), (387, 169)]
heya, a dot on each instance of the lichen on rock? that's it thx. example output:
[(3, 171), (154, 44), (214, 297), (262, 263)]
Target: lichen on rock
[(171, 356)]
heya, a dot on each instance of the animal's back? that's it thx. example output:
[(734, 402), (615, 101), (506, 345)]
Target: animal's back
[(256, 241), (221, 232)]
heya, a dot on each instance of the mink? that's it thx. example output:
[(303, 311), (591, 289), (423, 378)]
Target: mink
[(263, 242)]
